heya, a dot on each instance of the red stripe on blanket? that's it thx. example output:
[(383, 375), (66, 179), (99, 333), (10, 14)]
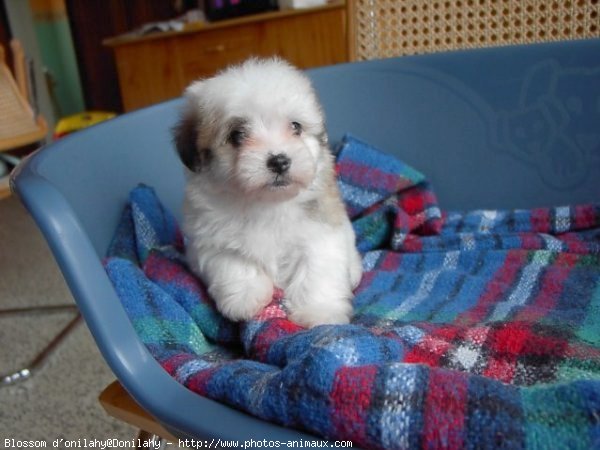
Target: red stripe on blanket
[(199, 381), (365, 282), (351, 399), (531, 241), (552, 285), (390, 262), (361, 175), (574, 243), (445, 407), (585, 217), (412, 201), (272, 331), (175, 362), (540, 220), (160, 269), (501, 369), (506, 344), (276, 326), (429, 351), (511, 341), (509, 338), (412, 244), (448, 332), (495, 289)]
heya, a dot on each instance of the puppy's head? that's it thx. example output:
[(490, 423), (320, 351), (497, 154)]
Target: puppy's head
[(255, 129)]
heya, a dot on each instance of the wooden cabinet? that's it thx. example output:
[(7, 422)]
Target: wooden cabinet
[(158, 67)]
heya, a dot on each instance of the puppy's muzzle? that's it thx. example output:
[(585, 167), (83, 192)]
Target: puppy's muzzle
[(279, 163)]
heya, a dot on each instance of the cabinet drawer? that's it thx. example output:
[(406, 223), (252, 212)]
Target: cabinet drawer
[(204, 54)]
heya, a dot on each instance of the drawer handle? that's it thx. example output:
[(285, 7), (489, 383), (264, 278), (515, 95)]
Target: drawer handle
[(219, 48)]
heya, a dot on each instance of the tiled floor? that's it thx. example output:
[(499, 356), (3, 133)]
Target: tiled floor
[(60, 401)]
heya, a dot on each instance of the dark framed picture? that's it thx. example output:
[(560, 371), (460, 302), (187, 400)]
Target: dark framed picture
[(224, 9)]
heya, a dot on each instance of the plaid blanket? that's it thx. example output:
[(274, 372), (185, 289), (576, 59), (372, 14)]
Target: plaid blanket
[(471, 330)]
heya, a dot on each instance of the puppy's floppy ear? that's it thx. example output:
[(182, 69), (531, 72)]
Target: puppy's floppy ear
[(185, 134)]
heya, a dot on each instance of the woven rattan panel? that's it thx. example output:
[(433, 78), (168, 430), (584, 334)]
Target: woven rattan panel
[(386, 28), (15, 118)]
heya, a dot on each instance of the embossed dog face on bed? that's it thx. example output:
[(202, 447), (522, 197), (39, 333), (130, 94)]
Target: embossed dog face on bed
[(256, 129)]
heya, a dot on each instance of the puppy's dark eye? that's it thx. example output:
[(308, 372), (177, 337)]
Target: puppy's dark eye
[(236, 137), (296, 128)]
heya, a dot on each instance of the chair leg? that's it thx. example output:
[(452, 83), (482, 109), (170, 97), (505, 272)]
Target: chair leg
[(26, 372), (147, 440)]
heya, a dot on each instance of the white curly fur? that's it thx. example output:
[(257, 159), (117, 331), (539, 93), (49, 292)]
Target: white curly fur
[(249, 228)]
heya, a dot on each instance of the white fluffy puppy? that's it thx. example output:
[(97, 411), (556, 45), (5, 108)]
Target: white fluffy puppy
[(262, 208)]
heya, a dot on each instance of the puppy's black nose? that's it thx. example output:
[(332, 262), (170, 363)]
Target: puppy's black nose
[(279, 164)]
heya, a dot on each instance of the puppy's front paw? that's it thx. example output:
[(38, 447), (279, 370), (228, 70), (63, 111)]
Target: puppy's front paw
[(240, 300), (325, 313)]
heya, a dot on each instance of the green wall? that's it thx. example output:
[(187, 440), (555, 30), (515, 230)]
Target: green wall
[(58, 55)]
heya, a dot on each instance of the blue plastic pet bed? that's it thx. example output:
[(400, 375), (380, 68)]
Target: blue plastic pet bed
[(473, 183)]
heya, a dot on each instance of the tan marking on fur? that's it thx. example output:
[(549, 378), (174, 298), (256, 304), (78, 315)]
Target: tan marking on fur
[(328, 207)]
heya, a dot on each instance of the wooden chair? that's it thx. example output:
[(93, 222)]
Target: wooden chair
[(20, 125), (118, 403)]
